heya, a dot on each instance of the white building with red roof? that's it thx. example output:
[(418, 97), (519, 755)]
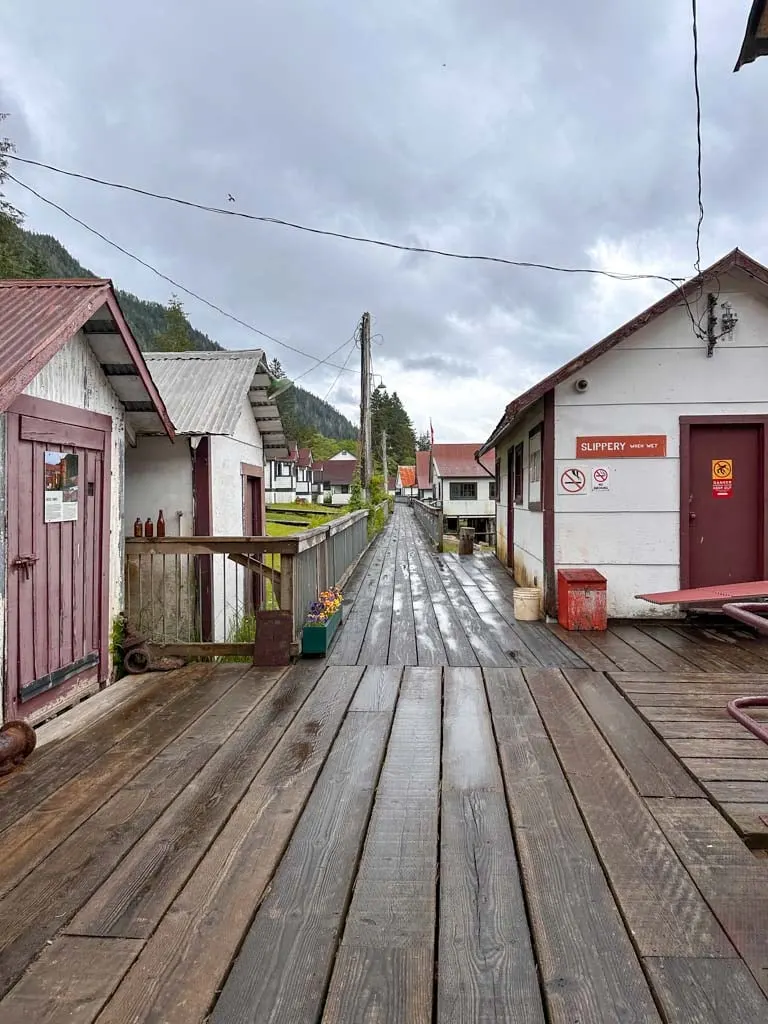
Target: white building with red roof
[(465, 486)]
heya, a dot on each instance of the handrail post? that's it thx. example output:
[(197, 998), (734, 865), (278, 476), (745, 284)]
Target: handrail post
[(440, 534), (287, 568)]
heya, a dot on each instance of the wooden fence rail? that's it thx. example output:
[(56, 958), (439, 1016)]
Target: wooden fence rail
[(204, 596), (430, 519)]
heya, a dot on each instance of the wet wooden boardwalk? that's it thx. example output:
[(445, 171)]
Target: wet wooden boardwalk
[(392, 840)]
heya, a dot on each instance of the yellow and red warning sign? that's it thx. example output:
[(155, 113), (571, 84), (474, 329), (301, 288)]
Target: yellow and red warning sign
[(722, 478)]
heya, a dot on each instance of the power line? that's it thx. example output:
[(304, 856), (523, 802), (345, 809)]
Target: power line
[(221, 211), (176, 284), (695, 19), (338, 375)]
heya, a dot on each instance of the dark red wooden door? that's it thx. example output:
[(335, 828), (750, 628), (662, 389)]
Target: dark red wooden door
[(55, 560), (726, 505), (253, 526)]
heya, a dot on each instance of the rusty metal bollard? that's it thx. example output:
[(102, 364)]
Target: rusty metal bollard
[(17, 741)]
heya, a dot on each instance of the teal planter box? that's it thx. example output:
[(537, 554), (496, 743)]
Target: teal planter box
[(316, 636)]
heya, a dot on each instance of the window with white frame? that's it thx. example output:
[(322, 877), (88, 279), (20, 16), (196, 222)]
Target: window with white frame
[(463, 491)]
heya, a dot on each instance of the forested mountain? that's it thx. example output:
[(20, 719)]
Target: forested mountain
[(146, 319), (27, 254)]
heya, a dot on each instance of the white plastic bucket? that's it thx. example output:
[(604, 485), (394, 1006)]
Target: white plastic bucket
[(527, 602)]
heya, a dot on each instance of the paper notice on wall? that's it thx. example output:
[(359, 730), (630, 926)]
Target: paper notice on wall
[(601, 478), (61, 487)]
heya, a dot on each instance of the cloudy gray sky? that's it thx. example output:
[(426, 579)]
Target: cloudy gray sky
[(553, 133)]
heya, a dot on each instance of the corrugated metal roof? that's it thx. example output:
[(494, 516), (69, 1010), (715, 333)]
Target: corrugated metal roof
[(422, 471), (407, 476), (36, 319), (204, 391), (458, 460)]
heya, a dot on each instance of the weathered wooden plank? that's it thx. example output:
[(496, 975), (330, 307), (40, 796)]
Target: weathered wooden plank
[(470, 760), (346, 649), (458, 649), (712, 699), (662, 907), (588, 968), (123, 694), (42, 903), (429, 641), (375, 648), (748, 819), (537, 636), (707, 660), (738, 653), (735, 769), (402, 640), (662, 657), (487, 969), (729, 877), (36, 834), (282, 969), (484, 643), (71, 981), (721, 728), (181, 969), (707, 678), (505, 635), (739, 792), (378, 688), (706, 991), (653, 769), (133, 899), (745, 746), (624, 656), (386, 956), (45, 772), (580, 644)]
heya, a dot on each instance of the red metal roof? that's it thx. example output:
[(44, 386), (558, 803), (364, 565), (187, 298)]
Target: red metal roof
[(38, 317), (458, 461), (407, 476), (305, 458), (334, 471), (735, 260), (422, 471)]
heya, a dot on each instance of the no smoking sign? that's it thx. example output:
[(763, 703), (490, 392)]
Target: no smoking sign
[(572, 481), (601, 479)]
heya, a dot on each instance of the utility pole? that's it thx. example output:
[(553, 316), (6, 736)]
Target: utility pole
[(365, 404), (384, 463)]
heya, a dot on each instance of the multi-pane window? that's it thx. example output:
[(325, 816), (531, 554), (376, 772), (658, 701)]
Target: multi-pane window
[(463, 492), (492, 490)]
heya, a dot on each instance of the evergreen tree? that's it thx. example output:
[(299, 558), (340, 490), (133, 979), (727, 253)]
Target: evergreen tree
[(276, 370), (423, 442), (388, 413), (176, 336)]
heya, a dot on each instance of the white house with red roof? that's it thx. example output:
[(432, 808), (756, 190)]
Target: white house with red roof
[(405, 482), (646, 457), (333, 477), (303, 462), (73, 388), (465, 486)]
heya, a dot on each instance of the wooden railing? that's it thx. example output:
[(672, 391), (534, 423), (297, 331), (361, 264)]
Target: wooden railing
[(203, 596), (430, 519)]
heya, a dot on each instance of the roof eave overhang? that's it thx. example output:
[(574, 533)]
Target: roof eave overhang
[(139, 362)]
